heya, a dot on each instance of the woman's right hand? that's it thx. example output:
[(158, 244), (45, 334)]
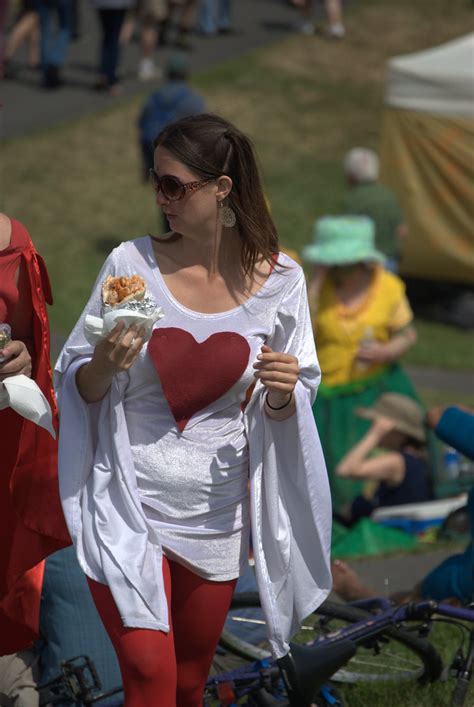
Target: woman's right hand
[(119, 349), (116, 353)]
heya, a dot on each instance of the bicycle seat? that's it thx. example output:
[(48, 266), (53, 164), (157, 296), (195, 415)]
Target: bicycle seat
[(306, 668)]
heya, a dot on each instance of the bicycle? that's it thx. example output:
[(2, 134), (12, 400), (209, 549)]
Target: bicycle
[(300, 675), (389, 645), (306, 668)]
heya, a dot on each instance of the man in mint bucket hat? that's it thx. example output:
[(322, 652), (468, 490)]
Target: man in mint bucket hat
[(343, 240), (362, 324)]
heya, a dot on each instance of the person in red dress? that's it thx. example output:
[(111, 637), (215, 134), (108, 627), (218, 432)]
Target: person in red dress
[(31, 520)]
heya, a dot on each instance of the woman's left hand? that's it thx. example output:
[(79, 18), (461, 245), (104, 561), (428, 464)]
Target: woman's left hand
[(279, 373), (18, 360)]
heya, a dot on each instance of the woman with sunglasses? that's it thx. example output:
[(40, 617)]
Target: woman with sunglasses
[(159, 439)]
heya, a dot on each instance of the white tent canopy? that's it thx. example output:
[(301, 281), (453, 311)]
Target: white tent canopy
[(438, 80)]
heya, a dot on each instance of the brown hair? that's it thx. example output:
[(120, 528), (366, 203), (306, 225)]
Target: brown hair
[(211, 147)]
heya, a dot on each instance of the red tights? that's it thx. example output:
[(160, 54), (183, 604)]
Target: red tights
[(169, 669)]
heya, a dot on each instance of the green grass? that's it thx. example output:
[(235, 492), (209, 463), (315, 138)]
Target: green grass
[(443, 346), (304, 101), (446, 639), (442, 396)]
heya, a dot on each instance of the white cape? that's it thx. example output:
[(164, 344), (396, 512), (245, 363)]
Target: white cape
[(290, 512), (290, 499)]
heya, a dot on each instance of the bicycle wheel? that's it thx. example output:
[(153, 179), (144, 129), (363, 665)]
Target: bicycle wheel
[(394, 654)]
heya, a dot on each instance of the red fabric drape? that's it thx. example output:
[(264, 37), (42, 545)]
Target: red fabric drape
[(32, 524)]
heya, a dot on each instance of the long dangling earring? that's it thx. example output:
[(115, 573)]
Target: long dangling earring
[(226, 215)]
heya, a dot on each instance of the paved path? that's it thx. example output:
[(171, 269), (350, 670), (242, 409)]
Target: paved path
[(399, 572), (455, 382), (28, 107)]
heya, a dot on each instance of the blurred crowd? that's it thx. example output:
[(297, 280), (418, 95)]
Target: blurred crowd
[(47, 27)]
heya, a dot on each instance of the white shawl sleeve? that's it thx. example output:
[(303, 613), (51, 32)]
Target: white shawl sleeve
[(290, 498), (98, 485)]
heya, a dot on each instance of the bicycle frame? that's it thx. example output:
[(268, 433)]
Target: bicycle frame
[(393, 615), (371, 631), (79, 683), (462, 664), (404, 612), (266, 673)]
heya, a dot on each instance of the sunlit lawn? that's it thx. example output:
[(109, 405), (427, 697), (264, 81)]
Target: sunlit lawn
[(447, 640)]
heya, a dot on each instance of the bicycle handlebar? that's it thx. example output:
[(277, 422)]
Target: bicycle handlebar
[(423, 610)]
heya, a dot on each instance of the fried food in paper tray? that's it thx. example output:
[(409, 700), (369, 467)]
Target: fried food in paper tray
[(124, 298)]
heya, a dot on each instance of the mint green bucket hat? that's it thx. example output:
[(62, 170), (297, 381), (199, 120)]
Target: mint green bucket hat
[(342, 240)]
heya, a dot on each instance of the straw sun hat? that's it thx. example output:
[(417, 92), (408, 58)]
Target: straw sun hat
[(403, 411), (342, 240)]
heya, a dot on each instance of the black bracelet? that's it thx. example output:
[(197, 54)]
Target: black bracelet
[(281, 406)]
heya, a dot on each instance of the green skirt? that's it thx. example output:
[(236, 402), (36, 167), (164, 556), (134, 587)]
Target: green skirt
[(340, 428)]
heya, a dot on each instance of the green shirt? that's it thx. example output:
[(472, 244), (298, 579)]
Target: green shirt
[(381, 205)]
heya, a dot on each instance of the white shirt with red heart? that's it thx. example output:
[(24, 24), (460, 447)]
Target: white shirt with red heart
[(162, 462)]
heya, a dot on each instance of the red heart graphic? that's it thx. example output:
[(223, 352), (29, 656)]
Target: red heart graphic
[(193, 375)]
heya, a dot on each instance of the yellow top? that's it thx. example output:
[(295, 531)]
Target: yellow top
[(340, 330)]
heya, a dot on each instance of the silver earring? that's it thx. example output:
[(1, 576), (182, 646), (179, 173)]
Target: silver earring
[(226, 216)]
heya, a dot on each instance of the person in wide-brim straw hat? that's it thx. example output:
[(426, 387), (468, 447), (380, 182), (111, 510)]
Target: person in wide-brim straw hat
[(405, 414), (402, 471), (362, 323)]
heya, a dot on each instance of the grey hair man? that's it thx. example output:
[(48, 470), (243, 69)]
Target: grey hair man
[(367, 196), (361, 165)]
